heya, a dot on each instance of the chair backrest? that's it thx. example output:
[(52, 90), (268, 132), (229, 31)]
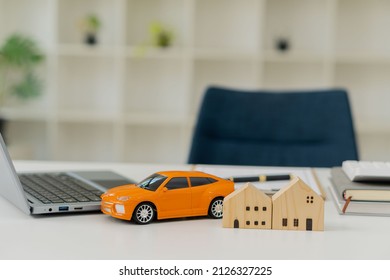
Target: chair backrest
[(311, 128)]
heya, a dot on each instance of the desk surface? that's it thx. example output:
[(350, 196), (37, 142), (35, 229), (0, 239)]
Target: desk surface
[(98, 236)]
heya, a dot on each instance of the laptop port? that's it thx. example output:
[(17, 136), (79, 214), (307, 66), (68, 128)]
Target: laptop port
[(78, 208), (63, 208)]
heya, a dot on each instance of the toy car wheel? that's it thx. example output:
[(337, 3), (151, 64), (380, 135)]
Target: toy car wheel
[(216, 208), (143, 214)]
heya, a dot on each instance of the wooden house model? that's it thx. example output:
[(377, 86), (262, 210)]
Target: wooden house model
[(247, 207), (294, 207), (297, 207)]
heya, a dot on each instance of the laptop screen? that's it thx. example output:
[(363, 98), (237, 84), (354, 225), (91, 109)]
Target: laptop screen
[(10, 187)]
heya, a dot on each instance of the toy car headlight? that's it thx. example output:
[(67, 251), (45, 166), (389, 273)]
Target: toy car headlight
[(123, 198)]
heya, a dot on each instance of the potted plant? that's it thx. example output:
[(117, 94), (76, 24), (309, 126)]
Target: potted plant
[(161, 35), (91, 25), (19, 57)]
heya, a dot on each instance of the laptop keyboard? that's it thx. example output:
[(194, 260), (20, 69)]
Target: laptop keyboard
[(58, 188)]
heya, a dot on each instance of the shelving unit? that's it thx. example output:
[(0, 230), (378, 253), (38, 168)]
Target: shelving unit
[(119, 101)]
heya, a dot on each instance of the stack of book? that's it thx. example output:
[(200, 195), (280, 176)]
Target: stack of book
[(360, 198)]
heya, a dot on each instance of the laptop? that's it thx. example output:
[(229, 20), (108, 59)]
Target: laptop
[(54, 192)]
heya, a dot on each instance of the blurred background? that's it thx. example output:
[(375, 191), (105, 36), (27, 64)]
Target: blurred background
[(122, 80)]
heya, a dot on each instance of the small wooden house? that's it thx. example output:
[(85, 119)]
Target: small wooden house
[(247, 207), (297, 207)]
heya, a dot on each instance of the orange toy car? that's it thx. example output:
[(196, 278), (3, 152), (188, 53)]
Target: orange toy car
[(168, 194)]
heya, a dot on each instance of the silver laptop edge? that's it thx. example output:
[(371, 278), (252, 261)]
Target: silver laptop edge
[(10, 186)]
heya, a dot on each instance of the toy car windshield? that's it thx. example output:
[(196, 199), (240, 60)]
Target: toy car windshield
[(152, 182)]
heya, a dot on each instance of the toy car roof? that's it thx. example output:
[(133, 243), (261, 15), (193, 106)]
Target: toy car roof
[(175, 173)]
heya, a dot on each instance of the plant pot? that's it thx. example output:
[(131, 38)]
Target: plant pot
[(90, 39), (282, 44), (164, 40)]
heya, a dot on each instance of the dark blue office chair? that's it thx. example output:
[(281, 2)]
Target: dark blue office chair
[(312, 128)]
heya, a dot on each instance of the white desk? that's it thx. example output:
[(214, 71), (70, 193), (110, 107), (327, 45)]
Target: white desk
[(97, 236)]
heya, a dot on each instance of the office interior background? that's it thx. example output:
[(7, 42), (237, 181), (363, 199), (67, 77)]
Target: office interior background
[(127, 99)]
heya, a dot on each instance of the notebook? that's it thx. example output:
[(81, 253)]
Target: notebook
[(340, 183), (359, 191), (54, 192)]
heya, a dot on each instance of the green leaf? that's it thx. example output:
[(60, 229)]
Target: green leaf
[(29, 87), (20, 51), (19, 56)]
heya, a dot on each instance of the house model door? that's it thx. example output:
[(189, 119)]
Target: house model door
[(309, 224)]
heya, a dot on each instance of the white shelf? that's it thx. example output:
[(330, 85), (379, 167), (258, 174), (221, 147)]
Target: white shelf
[(295, 75), (225, 54), (71, 13), (362, 26), (87, 117), (33, 19), (306, 24), (89, 141), (359, 57), (158, 119), (173, 14), (88, 83), (81, 50), (295, 56), (124, 99), (152, 143), (24, 115), (156, 86), (227, 25), (369, 87)]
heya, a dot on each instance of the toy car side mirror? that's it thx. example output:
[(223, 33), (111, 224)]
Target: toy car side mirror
[(165, 189)]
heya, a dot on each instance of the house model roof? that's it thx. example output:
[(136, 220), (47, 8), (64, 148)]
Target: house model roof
[(246, 188), (294, 183)]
